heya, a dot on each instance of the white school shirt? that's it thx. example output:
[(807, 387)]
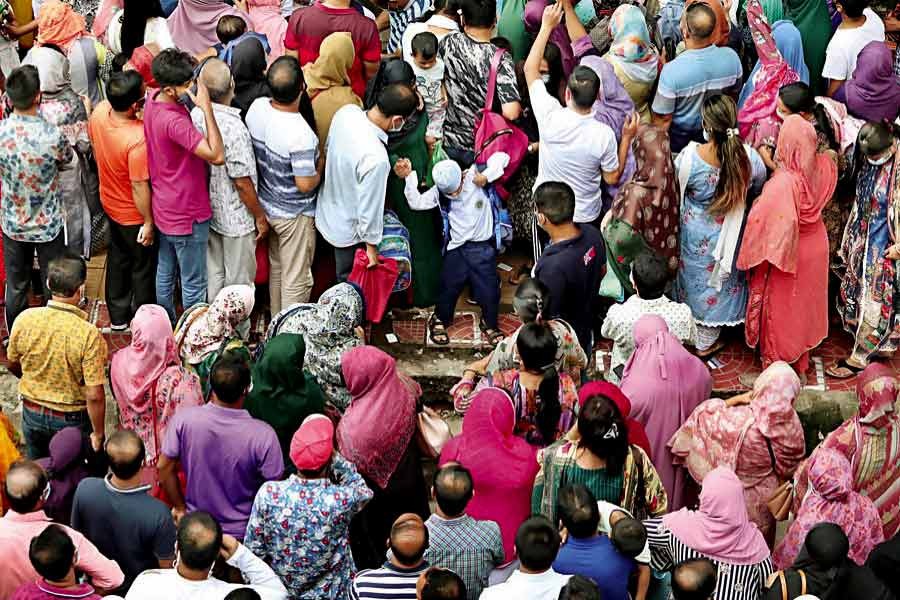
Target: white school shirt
[(846, 44), (606, 510), (471, 216), (575, 149), (527, 586)]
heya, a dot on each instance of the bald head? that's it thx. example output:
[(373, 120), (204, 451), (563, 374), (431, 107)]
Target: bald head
[(216, 76), (125, 451), (409, 540), (694, 579), (453, 489), (700, 21), (285, 79), (199, 539), (25, 484)]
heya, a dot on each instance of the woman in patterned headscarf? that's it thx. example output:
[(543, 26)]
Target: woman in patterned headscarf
[(633, 57), (644, 214), (330, 327), (869, 441)]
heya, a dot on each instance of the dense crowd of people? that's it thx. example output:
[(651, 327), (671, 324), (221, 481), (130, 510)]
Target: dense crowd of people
[(674, 168)]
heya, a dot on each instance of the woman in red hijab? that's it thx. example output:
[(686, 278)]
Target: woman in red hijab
[(785, 248)]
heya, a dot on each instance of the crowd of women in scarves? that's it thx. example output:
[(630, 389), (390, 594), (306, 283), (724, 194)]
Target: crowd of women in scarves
[(270, 182)]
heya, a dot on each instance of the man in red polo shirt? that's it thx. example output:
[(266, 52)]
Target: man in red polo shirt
[(324, 17)]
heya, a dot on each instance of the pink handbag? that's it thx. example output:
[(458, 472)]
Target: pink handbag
[(493, 133)]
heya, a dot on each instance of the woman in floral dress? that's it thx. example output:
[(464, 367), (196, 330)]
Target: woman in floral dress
[(714, 179)]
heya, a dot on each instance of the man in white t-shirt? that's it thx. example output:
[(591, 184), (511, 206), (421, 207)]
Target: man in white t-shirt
[(575, 148), (860, 25)]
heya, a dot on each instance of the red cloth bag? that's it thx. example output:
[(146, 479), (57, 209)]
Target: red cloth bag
[(376, 283), (262, 262)]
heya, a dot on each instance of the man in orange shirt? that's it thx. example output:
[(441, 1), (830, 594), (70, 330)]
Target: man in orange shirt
[(117, 134)]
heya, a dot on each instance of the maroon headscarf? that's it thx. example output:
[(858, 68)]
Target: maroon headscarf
[(636, 433)]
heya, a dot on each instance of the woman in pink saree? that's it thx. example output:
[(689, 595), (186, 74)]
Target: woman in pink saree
[(665, 383), (758, 435), (503, 465), (785, 248), (870, 441), (831, 499), (149, 383)]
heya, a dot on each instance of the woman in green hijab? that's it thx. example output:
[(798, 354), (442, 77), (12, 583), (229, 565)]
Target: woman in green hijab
[(283, 394), (811, 18)]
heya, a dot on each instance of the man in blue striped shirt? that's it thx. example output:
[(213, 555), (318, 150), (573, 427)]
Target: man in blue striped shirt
[(396, 580)]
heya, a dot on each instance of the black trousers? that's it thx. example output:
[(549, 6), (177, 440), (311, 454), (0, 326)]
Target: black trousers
[(130, 273), (18, 258)]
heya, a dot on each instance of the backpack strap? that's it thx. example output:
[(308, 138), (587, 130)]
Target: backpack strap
[(492, 79)]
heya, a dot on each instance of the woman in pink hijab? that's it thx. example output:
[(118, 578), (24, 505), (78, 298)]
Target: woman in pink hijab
[(757, 435), (665, 383), (193, 23), (503, 465), (785, 249), (831, 499), (149, 382), (719, 531)]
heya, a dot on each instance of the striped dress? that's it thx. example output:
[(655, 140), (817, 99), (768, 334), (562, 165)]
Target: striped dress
[(734, 582)]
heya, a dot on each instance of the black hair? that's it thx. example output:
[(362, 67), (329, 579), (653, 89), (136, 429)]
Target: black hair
[(52, 553), (579, 588), (124, 89), (700, 20), (554, 68), (502, 43), (530, 299), (584, 85), (651, 274), (285, 79), (397, 100), (229, 378), (443, 584), (425, 45), (134, 22), (65, 274), (404, 527), (827, 545), (578, 511), (453, 488), (22, 86), (537, 346), (244, 593), (537, 542), (126, 460), (27, 502), (230, 28), (199, 540), (853, 8), (173, 67), (798, 98), (479, 13), (556, 201), (694, 579), (629, 536), (603, 431)]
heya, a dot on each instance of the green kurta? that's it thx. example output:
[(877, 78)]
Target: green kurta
[(425, 237)]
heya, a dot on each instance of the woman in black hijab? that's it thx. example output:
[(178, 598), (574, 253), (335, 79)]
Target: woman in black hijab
[(824, 570), (248, 66)]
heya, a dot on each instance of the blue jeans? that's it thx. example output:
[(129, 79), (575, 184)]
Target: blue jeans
[(185, 254), (40, 426)]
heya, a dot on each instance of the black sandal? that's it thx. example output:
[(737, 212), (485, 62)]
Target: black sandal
[(843, 370), (437, 332), (494, 336)]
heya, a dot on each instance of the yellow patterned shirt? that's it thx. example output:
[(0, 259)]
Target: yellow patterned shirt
[(60, 353)]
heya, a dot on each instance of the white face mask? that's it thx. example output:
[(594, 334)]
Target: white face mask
[(881, 160), (545, 77), (398, 127)]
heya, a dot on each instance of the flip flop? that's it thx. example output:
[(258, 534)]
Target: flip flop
[(715, 348), (437, 332)]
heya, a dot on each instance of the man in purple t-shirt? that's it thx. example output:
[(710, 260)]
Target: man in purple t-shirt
[(226, 454), (177, 155)]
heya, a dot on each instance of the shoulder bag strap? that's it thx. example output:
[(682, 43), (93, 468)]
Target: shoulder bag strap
[(802, 582), (684, 172), (492, 79), (784, 589)]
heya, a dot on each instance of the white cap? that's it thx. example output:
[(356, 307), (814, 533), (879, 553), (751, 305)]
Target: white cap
[(447, 176)]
